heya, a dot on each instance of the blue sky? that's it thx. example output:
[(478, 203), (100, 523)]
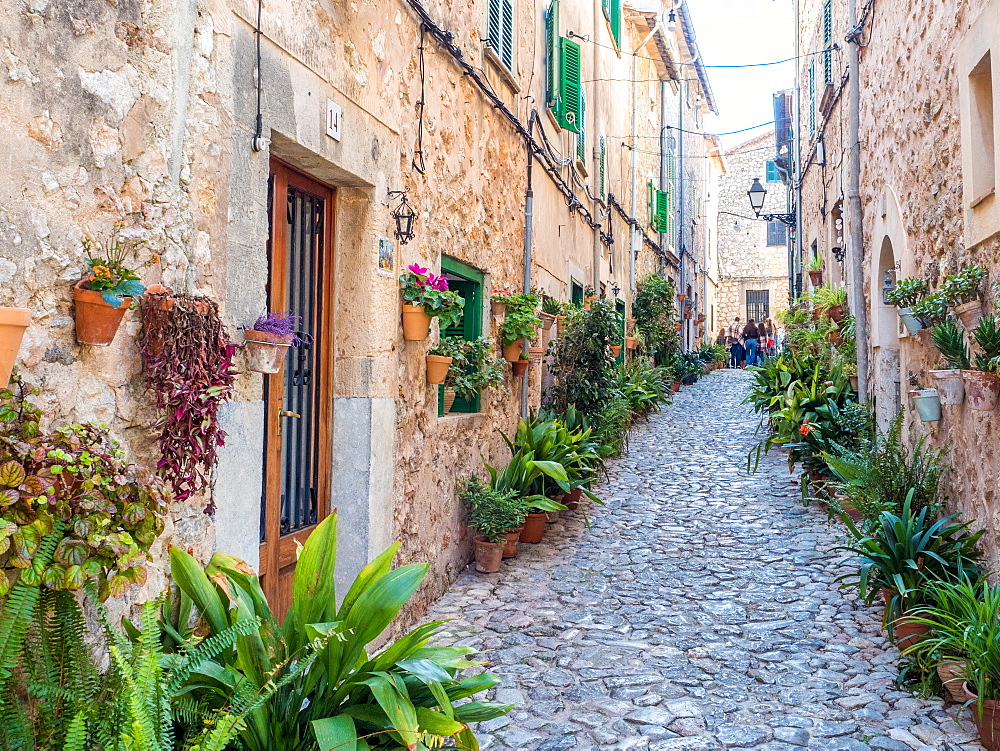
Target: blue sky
[(737, 32)]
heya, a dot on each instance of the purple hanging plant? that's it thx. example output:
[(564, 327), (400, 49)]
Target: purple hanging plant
[(281, 325)]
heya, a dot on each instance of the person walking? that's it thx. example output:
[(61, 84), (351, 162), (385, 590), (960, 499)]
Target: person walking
[(770, 336), (750, 338), (734, 339)]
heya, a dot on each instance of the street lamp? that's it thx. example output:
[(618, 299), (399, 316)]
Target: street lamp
[(757, 193), (404, 215)]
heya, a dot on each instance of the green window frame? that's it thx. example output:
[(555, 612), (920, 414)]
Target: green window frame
[(500, 30), (576, 293), (812, 96), (581, 136), (568, 104), (552, 54), (827, 41), (468, 282), (773, 175)]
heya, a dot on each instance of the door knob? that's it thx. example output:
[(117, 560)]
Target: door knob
[(287, 413)]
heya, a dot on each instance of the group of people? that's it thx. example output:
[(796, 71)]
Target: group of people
[(750, 344)]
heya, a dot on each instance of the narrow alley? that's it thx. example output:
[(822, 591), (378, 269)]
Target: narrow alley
[(699, 611)]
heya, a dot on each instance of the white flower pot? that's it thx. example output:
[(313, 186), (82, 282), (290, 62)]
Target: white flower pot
[(910, 321), (927, 403)]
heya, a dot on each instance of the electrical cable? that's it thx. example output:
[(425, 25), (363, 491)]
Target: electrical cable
[(418, 153), (701, 65), (257, 142)]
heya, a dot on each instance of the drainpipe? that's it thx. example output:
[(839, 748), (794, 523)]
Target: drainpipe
[(856, 236), (529, 199), (680, 202), (796, 155), (596, 151), (660, 22)]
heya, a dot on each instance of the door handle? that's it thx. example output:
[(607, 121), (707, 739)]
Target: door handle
[(287, 413)]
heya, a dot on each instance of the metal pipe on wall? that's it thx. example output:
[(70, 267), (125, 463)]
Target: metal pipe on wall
[(529, 199)]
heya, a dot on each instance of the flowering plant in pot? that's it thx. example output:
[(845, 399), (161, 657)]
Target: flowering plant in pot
[(520, 323), (963, 290), (99, 297), (904, 295), (268, 340), (427, 296), (950, 341), (497, 516)]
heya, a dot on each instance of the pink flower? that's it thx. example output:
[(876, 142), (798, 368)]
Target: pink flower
[(416, 269), (441, 284)]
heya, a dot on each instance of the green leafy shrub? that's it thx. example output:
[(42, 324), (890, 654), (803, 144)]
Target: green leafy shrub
[(492, 513), (964, 286), (932, 310), (521, 319), (474, 368), (582, 370), (655, 312), (907, 292)]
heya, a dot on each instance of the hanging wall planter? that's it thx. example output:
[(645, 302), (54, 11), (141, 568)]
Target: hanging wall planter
[(519, 367), (816, 277), (96, 321), (13, 323), (969, 313), (437, 369), (560, 324), (631, 342), (910, 321), (927, 404), (512, 351), (950, 386), (416, 323), (547, 320), (264, 352), (616, 351), (981, 389), (449, 399), (536, 354)]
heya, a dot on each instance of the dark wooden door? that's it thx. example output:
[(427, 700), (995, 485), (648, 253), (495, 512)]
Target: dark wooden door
[(299, 399)]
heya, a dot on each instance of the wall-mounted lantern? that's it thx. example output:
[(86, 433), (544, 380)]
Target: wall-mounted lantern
[(404, 216)]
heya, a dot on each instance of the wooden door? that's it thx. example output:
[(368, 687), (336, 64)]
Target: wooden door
[(299, 399)]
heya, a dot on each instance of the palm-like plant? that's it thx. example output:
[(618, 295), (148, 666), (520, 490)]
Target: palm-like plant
[(987, 336), (950, 341)]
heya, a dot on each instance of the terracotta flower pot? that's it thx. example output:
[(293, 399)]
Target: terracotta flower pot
[(536, 353), (416, 323), (547, 320), (497, 308), (519, 367), (836, 313), (437, 369), (534, 528), (952, 675), (675, 386), (512, 351), (560, 324), (488, 556), (449, 399), (950, 386), (616, 351), (572, 498), (906, 632), (816, 277), (13, 322), (969, 313), (265, 352), (679, 325), (96, 321), (510, 547), (681, 296), (631, 342), (986, 717), (981, 389)]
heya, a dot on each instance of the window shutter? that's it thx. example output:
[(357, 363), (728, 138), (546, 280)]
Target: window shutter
[(652, 204), (662, 211), (773, 176), (500, 30), (812, 97), (602, 180), (616, 22), (581, 136), (567, 111), (827, 41), (671, 218), (552, 53), (776, 234)]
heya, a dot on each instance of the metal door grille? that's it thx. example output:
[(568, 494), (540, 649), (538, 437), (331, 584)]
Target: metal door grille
[(757, 304)]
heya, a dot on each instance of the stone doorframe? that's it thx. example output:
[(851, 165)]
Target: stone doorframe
[(890, 249)]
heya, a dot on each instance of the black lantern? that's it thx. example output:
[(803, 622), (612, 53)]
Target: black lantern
[(888, 287), (404, 216), (757, 193), (839, 253), (615, 289)]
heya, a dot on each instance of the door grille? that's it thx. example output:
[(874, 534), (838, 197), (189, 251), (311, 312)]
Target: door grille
[(758, 304)]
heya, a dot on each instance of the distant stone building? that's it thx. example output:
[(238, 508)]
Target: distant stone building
[(753, 254)]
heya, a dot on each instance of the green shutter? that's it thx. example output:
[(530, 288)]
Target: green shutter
[(812, 97), (616, 22), (552, 53), (468, 282), (652, 204), (568, 108), (828, 41), (500, 30), (602, 179), (581, 136), (671, 211), (662, 222), (773, 176)]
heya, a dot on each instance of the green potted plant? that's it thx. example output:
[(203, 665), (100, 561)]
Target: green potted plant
[(907, 293), (932, 310), (950, 341), (927, 402), (520, 366), (497, 516), (520, 475), (103, 297), (426, 296), (473, 369), (982, 385), (520, 323), (815, 269), (440, 357), (832, 301), (551, 310), (962, 290)]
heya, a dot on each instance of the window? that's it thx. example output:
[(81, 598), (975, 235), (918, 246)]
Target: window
[(613, 12), (773, 175), (576, 293), (777, 234), (602, 184), (581, 136), (552, 54), (984, 163), (659, 208), (500, 30), (828, 41), (468, 282), (812, 97), (757, 304), (569, 101)]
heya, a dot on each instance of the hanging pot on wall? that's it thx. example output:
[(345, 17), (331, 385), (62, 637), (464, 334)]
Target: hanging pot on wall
[(449, 399), (631, 342), (616, 351), (13, 323), (437, 369), (969, 313), (910, 321), (519, 367), (816, 277), (96, 321), (927, 403), (547, 320), (265, 352), (981, 389), (512, 351), (416, 323), (950, 386)]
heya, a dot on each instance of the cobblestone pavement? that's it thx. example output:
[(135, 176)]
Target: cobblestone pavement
[(698, 612)]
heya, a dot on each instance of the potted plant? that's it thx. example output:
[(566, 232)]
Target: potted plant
[(473, 369), (831, 301), (427, 296), (815, 269), (551, 310), (13, 323), (520, 475), (520, 366), (498, 302), (519, 324), (950, 341), (631, 342), (927, 403), (962, 290), (103, 297), (440, 357), (616, 350), (589, 296), (931, 310), (982, 385), (492, 514), (907, 293), (268, 340)]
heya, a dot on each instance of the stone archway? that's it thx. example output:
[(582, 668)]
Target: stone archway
[(886, 366)]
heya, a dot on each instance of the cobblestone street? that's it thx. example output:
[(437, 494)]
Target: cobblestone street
[(700, 611)]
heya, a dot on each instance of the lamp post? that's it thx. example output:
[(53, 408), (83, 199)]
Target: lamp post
[(757, 193)]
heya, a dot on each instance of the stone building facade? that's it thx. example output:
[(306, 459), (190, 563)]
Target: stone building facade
[(753, 257), (198, 123)]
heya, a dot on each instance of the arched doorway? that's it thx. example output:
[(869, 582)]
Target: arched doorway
[(886, 387)]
